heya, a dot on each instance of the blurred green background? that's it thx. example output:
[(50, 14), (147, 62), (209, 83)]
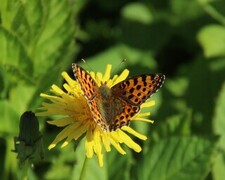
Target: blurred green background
[(183, 39)]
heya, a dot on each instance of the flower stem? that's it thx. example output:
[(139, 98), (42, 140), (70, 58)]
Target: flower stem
[(83, 171), (212, 12)]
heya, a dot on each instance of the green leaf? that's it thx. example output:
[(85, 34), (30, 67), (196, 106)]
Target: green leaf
[(45, 28), (9, 118), (219, 127), (20, 96), (199, 94), (35, 33), (175, 125), (185, 10), (13, 57), (12, 108), (118, 165), (212, 40), (3, 84), (178, 158), (219, 123), (23, 18), (219, 166), (10, 9), (137, 12), (57, 37), (95, 172), (44, 85), (177, 86), (63, 162)]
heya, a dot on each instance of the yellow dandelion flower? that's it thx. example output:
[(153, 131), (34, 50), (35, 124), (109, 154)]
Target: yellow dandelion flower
[(100, 108)]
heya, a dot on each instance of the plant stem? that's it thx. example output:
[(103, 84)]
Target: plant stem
[(83, 171), (25, 170), (212, 12)]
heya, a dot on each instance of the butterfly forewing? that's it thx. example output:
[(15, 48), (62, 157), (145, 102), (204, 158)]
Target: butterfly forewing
[(87, 83), (138, 89), (91, 93)]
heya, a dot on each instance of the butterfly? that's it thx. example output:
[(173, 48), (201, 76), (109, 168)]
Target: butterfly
[(112, 108)]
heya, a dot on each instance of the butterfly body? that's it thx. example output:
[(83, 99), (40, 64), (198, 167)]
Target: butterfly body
[(109, 106), (113, 107)]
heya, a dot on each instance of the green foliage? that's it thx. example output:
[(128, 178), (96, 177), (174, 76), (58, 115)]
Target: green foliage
[(183, 39), (178, 158), (35, 37), (219, 126), (212, 39)]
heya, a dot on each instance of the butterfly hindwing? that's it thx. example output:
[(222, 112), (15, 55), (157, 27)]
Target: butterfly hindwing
[(138, 89), (123, 118), (96, 114)]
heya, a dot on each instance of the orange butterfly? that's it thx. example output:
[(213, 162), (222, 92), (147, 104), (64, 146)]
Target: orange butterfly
[(113, 108)]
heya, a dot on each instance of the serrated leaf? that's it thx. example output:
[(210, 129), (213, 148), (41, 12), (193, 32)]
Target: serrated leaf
[(45, 28), (178, 158), (175, 125), (56, 37), (23, 18), (212, 40), (37, 32), (13, 56), (9, 10)]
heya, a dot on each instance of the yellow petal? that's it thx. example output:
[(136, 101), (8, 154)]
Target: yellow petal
[(89, 144), (128, 141), (121, 77), (133, 132), (148, 104), (106, 75), (61, 122)]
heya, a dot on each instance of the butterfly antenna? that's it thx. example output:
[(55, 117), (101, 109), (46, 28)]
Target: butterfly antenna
[(87, 64), (123, 61), (119, 65)]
